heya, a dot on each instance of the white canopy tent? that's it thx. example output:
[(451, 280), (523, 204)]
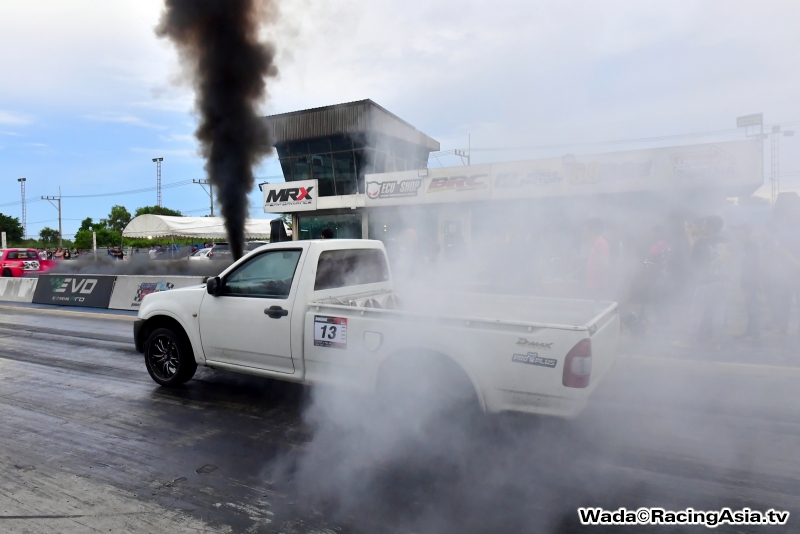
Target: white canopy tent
[(155, 226)]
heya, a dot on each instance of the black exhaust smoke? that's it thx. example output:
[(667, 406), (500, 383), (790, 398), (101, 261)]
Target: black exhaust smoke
[(219, 44)]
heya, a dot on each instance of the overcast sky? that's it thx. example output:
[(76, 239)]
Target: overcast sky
[(89, 95)]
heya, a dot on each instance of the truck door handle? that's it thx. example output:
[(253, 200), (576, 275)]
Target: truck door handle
[(276, 312)]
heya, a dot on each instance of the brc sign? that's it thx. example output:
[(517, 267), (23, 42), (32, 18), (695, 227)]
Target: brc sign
[(290, 196)]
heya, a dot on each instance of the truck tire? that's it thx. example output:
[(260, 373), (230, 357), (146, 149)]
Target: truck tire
[(168, 357), (7, 273)]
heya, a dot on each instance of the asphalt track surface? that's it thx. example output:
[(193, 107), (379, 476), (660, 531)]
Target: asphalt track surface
[(89, 443)]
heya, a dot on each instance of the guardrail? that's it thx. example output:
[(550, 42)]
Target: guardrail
[(121, 292)]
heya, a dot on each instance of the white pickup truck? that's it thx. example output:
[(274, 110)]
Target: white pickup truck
[(325, 312)]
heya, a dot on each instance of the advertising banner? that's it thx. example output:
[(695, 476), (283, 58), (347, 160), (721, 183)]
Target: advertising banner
[(92, 291), (288, 197), (728, 165), (17, 289), (130, 291), (457, 184), (396, 188)]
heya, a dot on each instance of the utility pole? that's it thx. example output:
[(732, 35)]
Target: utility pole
[(756, 120), (210, 191), (465, 153), (58, 207), (24, 210), (158, 161)]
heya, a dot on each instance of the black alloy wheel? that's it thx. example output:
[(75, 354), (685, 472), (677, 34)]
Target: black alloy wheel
[(168, 357)]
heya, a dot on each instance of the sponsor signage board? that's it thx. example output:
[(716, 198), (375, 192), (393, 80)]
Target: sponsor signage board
[(288, 197), (404, 187), (457, 184), (91, 291), (130, 291), (17, 289)]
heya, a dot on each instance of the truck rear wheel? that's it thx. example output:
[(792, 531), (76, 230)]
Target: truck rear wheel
[(168, 357), (426, 384)]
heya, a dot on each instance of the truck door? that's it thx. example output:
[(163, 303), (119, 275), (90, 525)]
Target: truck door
[(249, 322)]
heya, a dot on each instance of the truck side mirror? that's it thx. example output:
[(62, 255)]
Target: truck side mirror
[(213, 286)]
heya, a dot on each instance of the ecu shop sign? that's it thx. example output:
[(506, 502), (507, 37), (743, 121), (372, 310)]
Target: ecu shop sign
[(288, 197), (91, 291)]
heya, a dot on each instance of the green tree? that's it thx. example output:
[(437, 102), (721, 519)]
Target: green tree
[(118, 219), (106, 237), (86, 224), (12, 228), (157, 210), (48, 236), (287, 219)]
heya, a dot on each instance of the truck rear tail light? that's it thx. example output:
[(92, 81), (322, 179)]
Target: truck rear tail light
[(578, 365)]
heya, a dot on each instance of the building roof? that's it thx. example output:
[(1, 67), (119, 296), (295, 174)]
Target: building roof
[(342, 119)]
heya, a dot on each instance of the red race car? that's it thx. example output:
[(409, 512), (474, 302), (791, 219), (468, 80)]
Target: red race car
[(16, 262)]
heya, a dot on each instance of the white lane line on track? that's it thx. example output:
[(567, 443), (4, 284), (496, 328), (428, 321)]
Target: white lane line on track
[(70, 313)]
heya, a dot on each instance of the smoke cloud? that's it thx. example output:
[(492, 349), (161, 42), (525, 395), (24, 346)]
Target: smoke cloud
[(219, 44)]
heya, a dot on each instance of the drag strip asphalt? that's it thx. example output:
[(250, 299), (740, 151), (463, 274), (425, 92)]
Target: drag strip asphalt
[(88, 442)]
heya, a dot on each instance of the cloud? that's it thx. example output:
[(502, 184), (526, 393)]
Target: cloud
[(12, 134), (36, 144), (8, 117), (132, 120)]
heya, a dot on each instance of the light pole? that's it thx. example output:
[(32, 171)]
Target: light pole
[(24, 210), (158, 161), (756, 120)]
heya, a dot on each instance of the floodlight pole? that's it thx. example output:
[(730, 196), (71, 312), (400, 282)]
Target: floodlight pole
[(158, 161), (24, 210), (210, 191), (58, 207)]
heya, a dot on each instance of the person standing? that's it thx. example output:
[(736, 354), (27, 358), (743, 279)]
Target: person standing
[(67, 254), (598, 262), (152, 253), (710, 260), (750, 275)]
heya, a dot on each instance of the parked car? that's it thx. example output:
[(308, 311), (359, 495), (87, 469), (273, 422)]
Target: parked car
[(222, 251), (201, 254), (326, 312), (16, 262)]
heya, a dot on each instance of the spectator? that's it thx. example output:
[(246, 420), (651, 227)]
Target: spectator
[(710, 261), (750, 274), (598, 261), (194, 249), (59, 254), (326, 233), (43, 254), (152, 253), (48, 253), (67, 254)]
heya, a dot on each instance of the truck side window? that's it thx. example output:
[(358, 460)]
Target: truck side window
[(342, 268), (267, 275)]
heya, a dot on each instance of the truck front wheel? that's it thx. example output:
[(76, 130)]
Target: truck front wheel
[(168, 357)]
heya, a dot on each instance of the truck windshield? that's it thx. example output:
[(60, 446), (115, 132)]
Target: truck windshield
[(341, 268), (267, 275)]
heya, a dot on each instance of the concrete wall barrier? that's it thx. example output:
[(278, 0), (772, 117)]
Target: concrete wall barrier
[(129, 291), (17, 289)]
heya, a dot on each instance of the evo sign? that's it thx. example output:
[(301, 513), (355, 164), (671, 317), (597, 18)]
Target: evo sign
[(91, 291), (288, 197)]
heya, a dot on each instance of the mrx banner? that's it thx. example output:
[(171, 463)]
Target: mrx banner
[(287, 197)]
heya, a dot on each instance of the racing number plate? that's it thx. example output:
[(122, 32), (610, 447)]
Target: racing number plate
[(330, 332)]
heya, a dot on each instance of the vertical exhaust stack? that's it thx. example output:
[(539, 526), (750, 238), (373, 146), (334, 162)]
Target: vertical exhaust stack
[(219, 45)]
